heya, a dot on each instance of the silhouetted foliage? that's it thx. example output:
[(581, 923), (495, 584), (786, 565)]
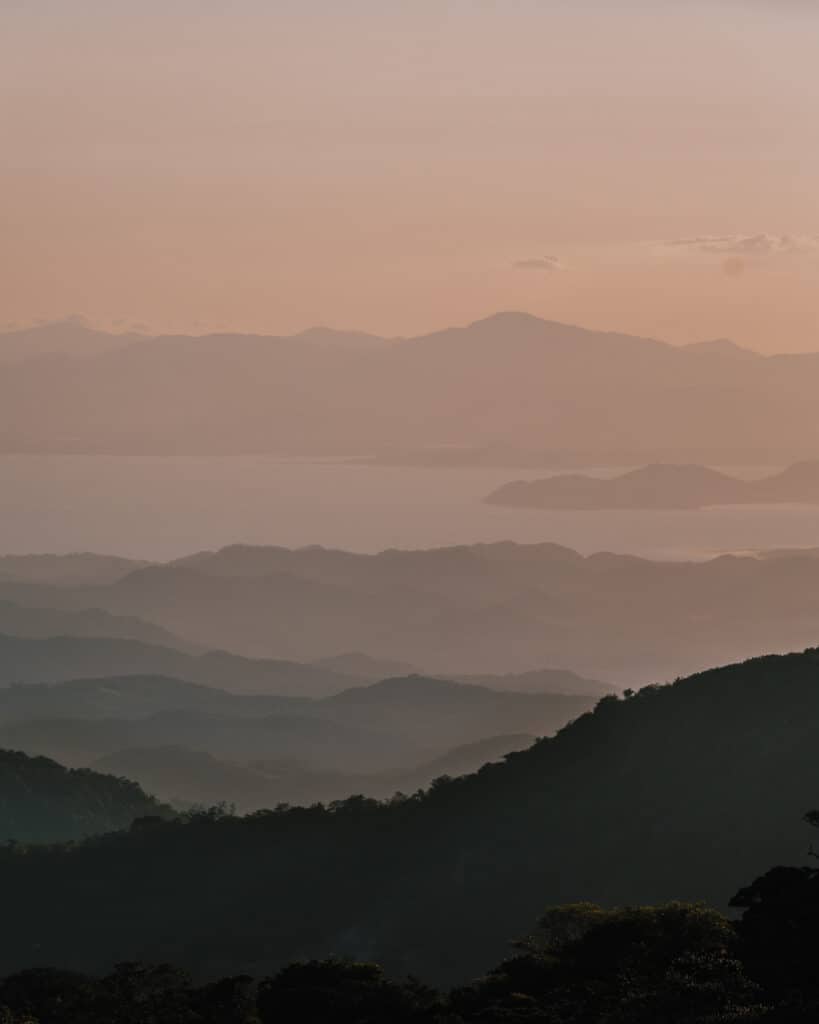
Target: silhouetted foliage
[(779, 930), (133, 993), (676, 963), (646, 964), (41, 801), (344, 992), (671, 964)]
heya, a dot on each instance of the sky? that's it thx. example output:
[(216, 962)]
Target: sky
[(396, 167)]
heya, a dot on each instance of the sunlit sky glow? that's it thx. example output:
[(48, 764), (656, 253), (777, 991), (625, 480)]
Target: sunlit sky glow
[(396, 167)]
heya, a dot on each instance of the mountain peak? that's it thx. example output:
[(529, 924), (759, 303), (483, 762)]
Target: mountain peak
[(331, 337), (509, 317), (719, 346)]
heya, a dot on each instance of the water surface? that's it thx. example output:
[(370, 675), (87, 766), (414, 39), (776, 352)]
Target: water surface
[(162, 507)]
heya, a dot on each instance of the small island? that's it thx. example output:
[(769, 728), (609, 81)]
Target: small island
[(662, 487)]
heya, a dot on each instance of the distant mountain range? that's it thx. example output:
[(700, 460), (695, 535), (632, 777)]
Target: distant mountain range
[(74, 570), (394, 725), (479, 610), (363, 666), (188, 777), (71, 338), (50, 659), (662, 487), (22, 621), (678, 792), (511, 381), (36, 656)]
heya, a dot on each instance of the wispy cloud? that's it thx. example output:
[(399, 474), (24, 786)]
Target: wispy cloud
[(545, 263), (748, 245)]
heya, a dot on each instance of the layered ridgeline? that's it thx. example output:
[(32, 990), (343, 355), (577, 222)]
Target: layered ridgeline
[(503, 380), (189, 778), (662, 487), (79, 569), (453, 612), (60, 657), (194, 744), (41, 801), (677, 791)]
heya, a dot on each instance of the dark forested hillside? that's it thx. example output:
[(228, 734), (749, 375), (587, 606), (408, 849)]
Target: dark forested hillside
[(41, 801), (676, 963), (675, 792)]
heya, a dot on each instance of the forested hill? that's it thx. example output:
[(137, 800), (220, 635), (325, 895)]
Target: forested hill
[(40, 801), (682, 791)]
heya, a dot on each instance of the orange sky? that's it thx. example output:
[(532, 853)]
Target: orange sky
[(389, 165)]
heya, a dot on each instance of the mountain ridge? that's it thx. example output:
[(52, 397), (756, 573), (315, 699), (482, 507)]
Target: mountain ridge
[(484, 609), (502, 380)]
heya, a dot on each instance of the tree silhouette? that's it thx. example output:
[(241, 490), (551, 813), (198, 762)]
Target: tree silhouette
[(779, 929)]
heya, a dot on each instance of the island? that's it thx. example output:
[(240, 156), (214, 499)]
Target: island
[(660, 486)]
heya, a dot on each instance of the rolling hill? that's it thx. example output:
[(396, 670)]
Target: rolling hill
[(482, 609), (318, 742), (188, 777), (22, 621), (681, 791), (67, 338), (43, 802), (49, 659), (392, 726), (84, 568), (446, 713)]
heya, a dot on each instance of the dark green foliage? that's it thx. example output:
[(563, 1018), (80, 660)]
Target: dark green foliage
[(47, 996), (132, 994), (780, 930), (671, 964), (40, 801), (642, 965), (343, 992), (678, 963)]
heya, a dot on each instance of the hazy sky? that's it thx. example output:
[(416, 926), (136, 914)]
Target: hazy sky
[(399, 166)]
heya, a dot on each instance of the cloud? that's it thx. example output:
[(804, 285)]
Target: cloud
[(545, 263), (748, 245)]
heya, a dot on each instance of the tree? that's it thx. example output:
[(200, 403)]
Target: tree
[(46, 995), (340, 992), (672, 963), (779, 930)]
